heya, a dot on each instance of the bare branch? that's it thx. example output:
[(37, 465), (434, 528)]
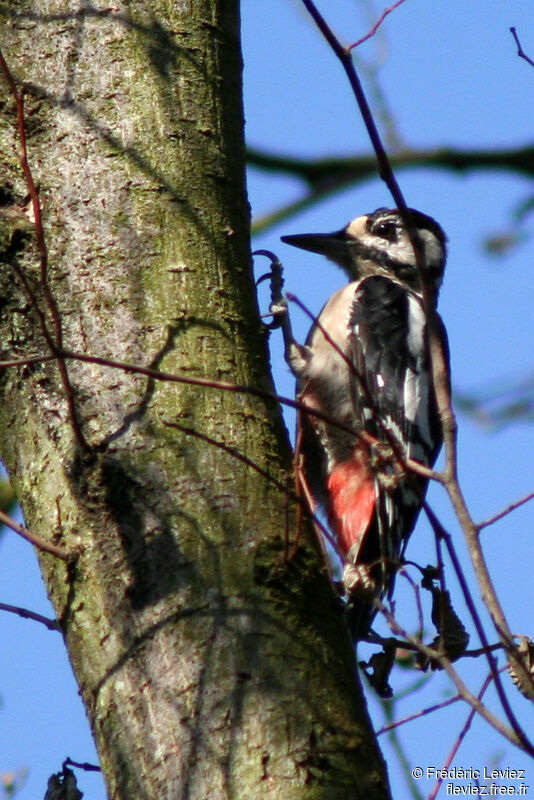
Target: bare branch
[(209, 383), (226, 386), (520, 52), (37, 541), (51, 624), (155, 374), (376, 25), (331, 174), (336, 171), (461, 737), (438, 357), (417, 594), (81, 765), (463, 691), (505, 511), (487, 588), (508, 645), (256, 467), (55, 342), (418, 714), (506, 402), (345, 58), (23, 361)]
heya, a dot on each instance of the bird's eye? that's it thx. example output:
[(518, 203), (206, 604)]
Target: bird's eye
[(386, 230)]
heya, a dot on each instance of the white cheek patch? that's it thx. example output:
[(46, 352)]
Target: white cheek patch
[(433, 250), (402, 250)]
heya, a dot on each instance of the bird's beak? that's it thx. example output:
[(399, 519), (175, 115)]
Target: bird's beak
[(331, 245)]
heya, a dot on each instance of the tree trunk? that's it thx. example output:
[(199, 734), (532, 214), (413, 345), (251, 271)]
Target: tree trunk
[(209, 665)]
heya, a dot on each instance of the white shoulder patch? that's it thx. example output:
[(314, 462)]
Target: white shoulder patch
[(416, 327)]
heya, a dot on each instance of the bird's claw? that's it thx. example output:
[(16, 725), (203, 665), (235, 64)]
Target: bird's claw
[(278, 306)]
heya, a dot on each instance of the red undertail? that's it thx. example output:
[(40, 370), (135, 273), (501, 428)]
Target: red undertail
[(351, 494)]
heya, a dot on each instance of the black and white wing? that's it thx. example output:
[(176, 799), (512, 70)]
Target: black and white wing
[(394, 401)]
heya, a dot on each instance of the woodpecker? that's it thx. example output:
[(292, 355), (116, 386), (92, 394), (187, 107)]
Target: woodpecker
[(365, 368)]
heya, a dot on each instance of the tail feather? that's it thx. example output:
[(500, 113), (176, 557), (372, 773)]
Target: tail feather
[(360, 615)]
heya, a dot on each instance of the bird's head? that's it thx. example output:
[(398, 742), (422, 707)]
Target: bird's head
[(379, 243)]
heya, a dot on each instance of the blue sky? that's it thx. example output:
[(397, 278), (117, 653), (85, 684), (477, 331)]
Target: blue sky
[(450, 76)]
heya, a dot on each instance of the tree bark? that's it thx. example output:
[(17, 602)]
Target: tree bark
[(209, 665)]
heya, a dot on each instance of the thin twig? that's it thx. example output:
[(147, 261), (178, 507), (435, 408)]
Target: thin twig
[(520, 52), (209, 383), (345, 58), (329, 175), (81, 765), (505, 511), (479, 651), (54, 342), (446, 665), (417, 594), (438, 358), (418, 714), (25, 361), (461, 737), (376, 25), (36, 540), (489, 595), (156, 374), (400, 644), (302, 488), (51, 624), (256, 467), (398, 748), (226, 386), (446, 537)]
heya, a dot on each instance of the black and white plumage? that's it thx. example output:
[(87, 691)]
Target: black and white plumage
[(366, 365)]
